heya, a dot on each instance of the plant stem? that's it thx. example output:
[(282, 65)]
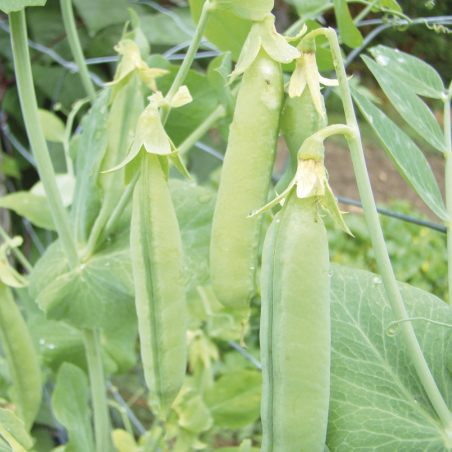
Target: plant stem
[(20, 257), (379, 246), (364, 12), (202, 129), (27, 97), (448, 170), (188, 60), (98, 390), (206, 125), (119, 210), (76, 48)]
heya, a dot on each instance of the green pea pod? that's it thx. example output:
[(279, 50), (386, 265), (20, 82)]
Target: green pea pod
[(244, 184), (156, 250), (295, 329), (299, 120), (21, 357)]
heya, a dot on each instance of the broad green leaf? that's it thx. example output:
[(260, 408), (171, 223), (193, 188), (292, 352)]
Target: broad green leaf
[(124, 441), (217, 73), (235, 399), (308, 6), (414, 110), (247, 9), (70, 405), (16, 5), (14, 428), (193, 415), (102, 13), (97, 294), (8, 274), (160, 29), (91, 151), (224, 29), (34, 208), (52, 126), (407, 157), (349, 34), (390, 4), (377, 400), (22, 359), (4, 445), (413, 72), (194, 206), (66, 186), (184, 120)]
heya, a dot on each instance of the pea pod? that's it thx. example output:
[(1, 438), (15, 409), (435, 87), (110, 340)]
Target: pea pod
[(299, 120), (244, 184), (21, 356), (295, 329), (156, 250)]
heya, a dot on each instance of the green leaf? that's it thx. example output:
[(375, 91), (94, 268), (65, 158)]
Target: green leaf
[(224, 29), (66, 186), (407, 157), (97, 294), (91, 151), (22, 359), (13, 436), (9, 166), (377, 400), (34, 208), (349, 34), (191, 410), (308, 6), (390, 4), (413, 72), (247, 9), (411, 107), (94, 13), (52, 126), (217, 73), (16, 5), (235, 399), (160, 29), (194, 206), (70, 405)]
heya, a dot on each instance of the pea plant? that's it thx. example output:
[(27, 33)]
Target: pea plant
[(183, 305)]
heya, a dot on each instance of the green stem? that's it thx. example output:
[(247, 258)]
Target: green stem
[(76, 48), (20, 257), (27, 97), (206, 125), (119, 210), (98, 390), (202, 129), (448, 171), (189, 57), (67, 134), (379, 246), (364, 12)]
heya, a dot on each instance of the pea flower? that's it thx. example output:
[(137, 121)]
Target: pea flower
[(264, 35), (311, 180), (151, 135), (131, 61), (307, 73)]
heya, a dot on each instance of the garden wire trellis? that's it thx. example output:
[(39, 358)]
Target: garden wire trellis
[(172, 54)]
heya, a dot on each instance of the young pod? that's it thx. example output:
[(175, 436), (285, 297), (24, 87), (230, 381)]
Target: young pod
[(295, 329), (245, 181), (156, 250), (299, 120)]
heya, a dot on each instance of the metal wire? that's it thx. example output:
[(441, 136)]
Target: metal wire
[(242, 351), (399, 216)]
